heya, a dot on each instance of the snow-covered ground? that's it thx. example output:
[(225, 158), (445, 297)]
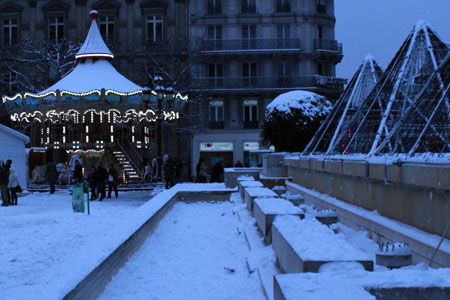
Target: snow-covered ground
[(46, 249), (195, 253)]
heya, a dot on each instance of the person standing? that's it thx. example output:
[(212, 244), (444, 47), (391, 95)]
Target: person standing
[(78, 172), (100, 178), (169, 172), (203, 172), (12, 186), (51, 175), (112, 181), (4, 180), (92, 183)]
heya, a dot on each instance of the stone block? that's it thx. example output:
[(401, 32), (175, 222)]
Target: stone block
[(358, 169), (232, 174), (266, 209), (248, 183), (251, 193), (305, 245), (333, 166)]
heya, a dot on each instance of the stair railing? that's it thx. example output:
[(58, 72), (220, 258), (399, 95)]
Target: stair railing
[(133, 156)]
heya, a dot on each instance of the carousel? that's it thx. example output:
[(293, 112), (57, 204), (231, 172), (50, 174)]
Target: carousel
[(94, 108)]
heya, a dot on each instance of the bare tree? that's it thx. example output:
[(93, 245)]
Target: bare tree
[(34, 64)]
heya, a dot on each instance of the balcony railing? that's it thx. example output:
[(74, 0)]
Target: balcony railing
[(290, 82), (327, 45), (237, 45)]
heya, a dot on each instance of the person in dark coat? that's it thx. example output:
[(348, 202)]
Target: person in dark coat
[(238, 164), (217, 172), (100, 178), (92, 183), (78, 172), (51, 175), (112, 181), (4, 180), (169, 172)]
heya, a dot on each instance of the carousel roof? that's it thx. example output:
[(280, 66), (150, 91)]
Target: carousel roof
[(91, 75), (94, 46), (94, 71)]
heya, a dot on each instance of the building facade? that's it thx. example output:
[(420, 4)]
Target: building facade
[(231, 56)]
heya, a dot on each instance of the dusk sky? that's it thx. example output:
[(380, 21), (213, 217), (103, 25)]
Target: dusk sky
[(379, 27)]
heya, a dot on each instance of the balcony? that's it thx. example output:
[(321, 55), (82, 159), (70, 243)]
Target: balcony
[(251, 124), (268, 83), (245, 46), (328, 48), (216, 125)]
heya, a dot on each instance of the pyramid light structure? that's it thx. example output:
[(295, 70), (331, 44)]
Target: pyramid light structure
[(425, 126), (365, 78), (408, 73)]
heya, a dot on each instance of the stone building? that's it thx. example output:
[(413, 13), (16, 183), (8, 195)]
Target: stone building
[(231, 56)]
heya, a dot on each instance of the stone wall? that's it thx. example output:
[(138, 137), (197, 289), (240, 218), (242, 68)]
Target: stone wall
[(412, 193)]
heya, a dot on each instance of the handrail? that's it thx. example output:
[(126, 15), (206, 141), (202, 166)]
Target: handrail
[(132, 161)]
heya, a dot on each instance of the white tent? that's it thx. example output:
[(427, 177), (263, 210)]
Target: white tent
[(12, 147)]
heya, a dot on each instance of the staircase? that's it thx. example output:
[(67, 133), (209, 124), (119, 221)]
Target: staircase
[(131, 173)]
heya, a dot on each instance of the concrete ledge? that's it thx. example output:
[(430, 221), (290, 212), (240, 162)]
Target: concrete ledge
[(293, 258), (380, 228), (386, 285), (95, 282)]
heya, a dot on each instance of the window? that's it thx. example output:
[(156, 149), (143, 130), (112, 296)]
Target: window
[(321, 7), (249, 74), (322, 69), (56, 28), (214, 7), (154, 28), (215, 36), (320, 32), (216, 114), (248, 6), (10, 28), (283, 35), (283, 6), (9, 81), (284, 73), (249, 36), (250, 113), (107, 24), (215, 73)]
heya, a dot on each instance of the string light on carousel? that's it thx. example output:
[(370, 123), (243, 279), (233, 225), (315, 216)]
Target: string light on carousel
[(94, 106)]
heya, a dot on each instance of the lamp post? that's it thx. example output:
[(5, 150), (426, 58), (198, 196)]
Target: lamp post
[(165, 98)]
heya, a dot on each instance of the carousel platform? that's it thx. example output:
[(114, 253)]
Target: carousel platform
[(43, 188)]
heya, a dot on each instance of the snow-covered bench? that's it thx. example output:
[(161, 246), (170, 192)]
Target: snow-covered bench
[(357, 284), (248, 183), (251, 193), (304, 245), (266, 209)]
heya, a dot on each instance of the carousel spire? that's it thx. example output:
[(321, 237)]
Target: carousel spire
[(94, 46)]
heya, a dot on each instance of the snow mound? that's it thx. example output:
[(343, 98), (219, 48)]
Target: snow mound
[(311, 104)]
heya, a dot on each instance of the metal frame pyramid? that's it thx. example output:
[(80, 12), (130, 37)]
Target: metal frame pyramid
[(337, 121), (408, 109)]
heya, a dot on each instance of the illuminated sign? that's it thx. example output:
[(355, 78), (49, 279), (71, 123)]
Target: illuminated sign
[(251, 146), (216, 146)]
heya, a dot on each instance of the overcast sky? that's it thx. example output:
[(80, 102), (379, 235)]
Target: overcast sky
[(379, 27)]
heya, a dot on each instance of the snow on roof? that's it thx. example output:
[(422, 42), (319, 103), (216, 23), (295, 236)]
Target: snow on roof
[(310, 103), (94, 46), (17, 134), (91, 75)]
